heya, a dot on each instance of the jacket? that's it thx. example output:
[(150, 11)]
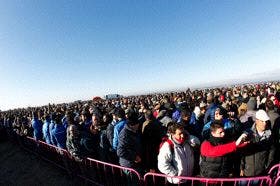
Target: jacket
[(117, 129), (128, 147), (215, 160), (73, 144), (46, 132), (37, 126), (180, 162), (59, 136), (210, 113), (258, 156)]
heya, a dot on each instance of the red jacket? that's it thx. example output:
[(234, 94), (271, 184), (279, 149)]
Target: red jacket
[(209, 150)]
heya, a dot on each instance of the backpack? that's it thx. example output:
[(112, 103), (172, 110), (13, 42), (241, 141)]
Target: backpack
[(171, 144)]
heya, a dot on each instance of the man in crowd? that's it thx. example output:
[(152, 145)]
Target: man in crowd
[(215, 151), (258, 155), (176, 155)]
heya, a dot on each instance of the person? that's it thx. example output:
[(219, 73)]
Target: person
[(215, 151), (231, 126), (129, 147), (257, 157), (273, 115), (73, 142), (250, 114), (58, 133), (46, 131), (212, 105), (151, 138), (73, 137), (176, 156), (37, 126), (90, 137), (121, 122)]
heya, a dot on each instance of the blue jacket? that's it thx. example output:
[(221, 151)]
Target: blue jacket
[(51, 126), (64, 122), (210, 113), (176, 116), (87, 124), (46, 131), (59, 136), (117, 129), (37, 126)]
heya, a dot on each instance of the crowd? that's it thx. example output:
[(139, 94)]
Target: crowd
[(218, 132)]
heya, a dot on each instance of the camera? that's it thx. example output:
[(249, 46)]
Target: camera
[(248, 137)]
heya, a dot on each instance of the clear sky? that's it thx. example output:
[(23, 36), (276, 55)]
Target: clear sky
[(55, 51)]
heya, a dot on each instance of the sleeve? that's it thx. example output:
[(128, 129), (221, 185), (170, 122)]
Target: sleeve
[(207, 116), (271, 155), (209, 150), (165, 161), (115, 138)]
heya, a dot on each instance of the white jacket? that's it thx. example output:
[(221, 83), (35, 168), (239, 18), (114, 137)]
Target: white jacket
[(178, 163)]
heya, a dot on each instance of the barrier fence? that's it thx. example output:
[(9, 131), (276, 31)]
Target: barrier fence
[(151, 179), (96, 172)]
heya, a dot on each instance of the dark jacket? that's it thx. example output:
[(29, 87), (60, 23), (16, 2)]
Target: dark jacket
[(257, 157), (215, 159), (73, 144), (128, 147), (151, 138)]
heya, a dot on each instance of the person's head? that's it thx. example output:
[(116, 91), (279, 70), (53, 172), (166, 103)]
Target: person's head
[(242, 109), (269, 105), (132, 120), (261, 120), (149, 115), (210, 98), (119, 114), (56, 117), (177, 132), (218, 114), (217, 129), (107, 118), (96, 119), (202, 107), (185, 115), (85, 115)]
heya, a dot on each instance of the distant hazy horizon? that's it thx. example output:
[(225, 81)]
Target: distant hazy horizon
[(229, 82)]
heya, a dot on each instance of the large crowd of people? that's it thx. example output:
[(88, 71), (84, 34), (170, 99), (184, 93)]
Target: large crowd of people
[(216, 132)]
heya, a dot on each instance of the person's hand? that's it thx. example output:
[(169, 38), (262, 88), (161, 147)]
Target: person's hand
[(242, 173), (137, 159), (241, 139)]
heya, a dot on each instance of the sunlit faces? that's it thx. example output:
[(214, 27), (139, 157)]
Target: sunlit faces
[(260, 125), (218, 133), (179, 135), (218, 116)]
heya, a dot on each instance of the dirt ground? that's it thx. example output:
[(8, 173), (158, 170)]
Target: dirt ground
[(18, 167)]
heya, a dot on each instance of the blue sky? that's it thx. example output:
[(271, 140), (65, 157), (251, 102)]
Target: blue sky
[(60, 51)]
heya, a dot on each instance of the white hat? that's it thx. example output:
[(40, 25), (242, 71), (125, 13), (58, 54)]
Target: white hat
[(262, 115)]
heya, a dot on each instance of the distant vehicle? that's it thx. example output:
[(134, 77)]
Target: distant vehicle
[(113, 96)]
